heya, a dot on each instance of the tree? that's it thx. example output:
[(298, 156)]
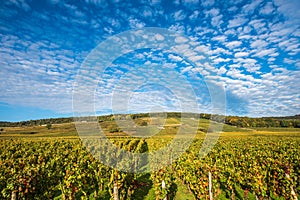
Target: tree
[(144, 123), (49, 125), (297, 124), (284, 123)]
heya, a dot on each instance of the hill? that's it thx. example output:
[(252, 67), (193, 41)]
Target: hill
[(238, 121)]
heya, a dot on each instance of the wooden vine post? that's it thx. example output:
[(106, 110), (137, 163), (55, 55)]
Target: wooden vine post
[(210, 186), (116, 192), (14, 195), (163, 186), (293, 193)]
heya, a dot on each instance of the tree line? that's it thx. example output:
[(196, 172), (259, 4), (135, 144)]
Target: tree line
[(238, 121), (37, 122)]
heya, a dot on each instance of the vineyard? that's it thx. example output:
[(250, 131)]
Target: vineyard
[(240, 169), (241, 165)]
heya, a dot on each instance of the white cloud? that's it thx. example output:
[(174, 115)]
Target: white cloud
[(159, 37), (53, 1), (220, 60), (235, 73), (282, 32), (249, 8), (212, 12), (287, 43), (175, 58), (245, 37), (247, 29), (97, 2), (186, 69), (218, 51), (148, 62), (292, 47), (222, 70), (180, 39), (47, 60), (250, 67), (290, 9), (217, 21), (271, 60), (206, 3), (241, 54), (237, 21), (230, 32), (289, 61), (177, 27), (194, 15), (147, 12), (233, 9), (249, 60), (21, 4), (296, 33), (179, 15), (257, 24), (155, 2), (190, 2), (258, 44), (196, 58), (216, 18), (265, 52), (136, 23), (233, 44), (267, 9), (221, 38), (202, 49)]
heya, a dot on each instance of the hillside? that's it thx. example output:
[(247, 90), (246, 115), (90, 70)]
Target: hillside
[(285, 121)]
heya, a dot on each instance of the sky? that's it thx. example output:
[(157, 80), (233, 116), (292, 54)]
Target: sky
[(251, 51)]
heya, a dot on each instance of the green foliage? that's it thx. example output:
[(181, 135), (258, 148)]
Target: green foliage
[(263, 122), (144, 123), (37, 122), (49, 126), (114, 129), (289, 121), (241, 168), (163, 175), (254, 166), (41, 170)]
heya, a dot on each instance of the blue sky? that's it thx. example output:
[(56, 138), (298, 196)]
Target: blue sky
[(253, 48)]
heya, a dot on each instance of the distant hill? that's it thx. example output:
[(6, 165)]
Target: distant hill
[(285, 121), (37, 122), (288, 117)]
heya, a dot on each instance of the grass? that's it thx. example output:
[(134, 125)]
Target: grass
[(278, 129), (57, 130), (168, 129), (182, 192)]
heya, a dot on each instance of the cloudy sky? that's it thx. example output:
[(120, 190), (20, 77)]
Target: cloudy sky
[(251, 49)]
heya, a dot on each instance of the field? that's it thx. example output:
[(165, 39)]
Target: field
[(245, 163)]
